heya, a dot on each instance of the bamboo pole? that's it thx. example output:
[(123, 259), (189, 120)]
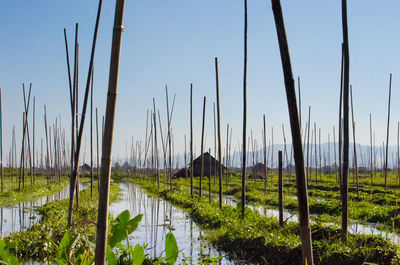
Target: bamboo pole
[(33, 140), (91, 136), (315, 152), (354, 139), (298, 85), (215, 146), (97, 150), (308, 145), (202, 145), (155, 144), (47, 146), (227, 156), (163, 144), (340, 121), (398, 152), (74, 183), (169, 142), (280, 181), (320, 154), (370, 139), (346, 77), (209, 176), (191, 140), (102, 219), (1, 143), (244, 112), (305, 229), (387, 130), (219, 134), (25, 125), (265, 157)]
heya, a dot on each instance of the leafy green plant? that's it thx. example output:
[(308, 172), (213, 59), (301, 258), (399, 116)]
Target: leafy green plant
[(171, 249), (5, 256), (120, 230)]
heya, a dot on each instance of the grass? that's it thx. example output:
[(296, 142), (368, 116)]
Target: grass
[(373, 203), (40, 242), (259, 239), (40, 189)]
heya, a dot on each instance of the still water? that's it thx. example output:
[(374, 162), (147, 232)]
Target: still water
[(159, 218), (19, 217)]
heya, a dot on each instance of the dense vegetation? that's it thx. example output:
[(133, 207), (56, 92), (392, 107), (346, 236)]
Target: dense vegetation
[(260, 239), (41, 241)]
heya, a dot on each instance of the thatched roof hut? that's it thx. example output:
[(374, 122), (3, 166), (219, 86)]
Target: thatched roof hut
[(257, 171), (208, 160), (84, 168)]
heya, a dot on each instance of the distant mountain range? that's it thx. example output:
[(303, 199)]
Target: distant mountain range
[(327, 155)]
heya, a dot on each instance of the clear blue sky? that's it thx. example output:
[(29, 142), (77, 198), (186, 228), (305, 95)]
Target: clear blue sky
[(174, 43)]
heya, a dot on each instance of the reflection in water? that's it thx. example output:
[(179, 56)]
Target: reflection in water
[(161, 217), (20, 217), (355, 226)]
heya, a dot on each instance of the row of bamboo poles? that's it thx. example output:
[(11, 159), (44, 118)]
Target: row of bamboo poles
[(146, 156)]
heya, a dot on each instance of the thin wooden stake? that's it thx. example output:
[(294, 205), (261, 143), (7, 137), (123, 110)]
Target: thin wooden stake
[(219, 134), (202, 145), (387, 131), (280, 199)]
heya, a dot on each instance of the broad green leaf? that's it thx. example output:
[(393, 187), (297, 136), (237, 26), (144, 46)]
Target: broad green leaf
[(124, 217), (138, 255), (133, 224), (64, 243), (171, 249), (110, 256), (3, 252), (14, 261), (118, 230)]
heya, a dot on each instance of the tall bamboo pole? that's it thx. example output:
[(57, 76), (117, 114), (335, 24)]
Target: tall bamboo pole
[(315, 151), (227, 155), (298, 85), (33, 139), (155, 144), (308, 144), (74, 178), (102, 218), (265, 157), (244, 112), (169, 142), (341, 121), (97, 150), (215, 145), (398, 152), (47, 146), (370, 139), (305, 229), (202, 145), (346, 77), (354, 139), (280, 182), (320, 154), (209, 176), (191, 140), (219, 134), (25, 126), (387, 131), (1, 143), (91, 137)]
